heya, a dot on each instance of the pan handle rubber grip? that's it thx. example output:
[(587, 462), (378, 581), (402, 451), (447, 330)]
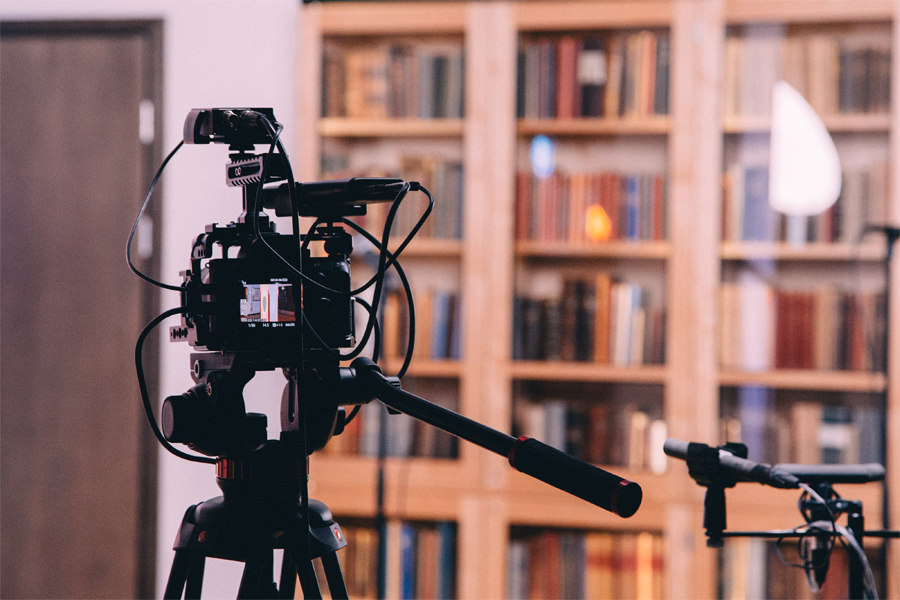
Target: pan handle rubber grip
[(576, 477)]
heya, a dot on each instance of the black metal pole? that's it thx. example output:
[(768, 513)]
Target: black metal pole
[(856, 574), (543, 462)]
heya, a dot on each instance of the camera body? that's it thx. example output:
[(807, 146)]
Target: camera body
[(251, 302)]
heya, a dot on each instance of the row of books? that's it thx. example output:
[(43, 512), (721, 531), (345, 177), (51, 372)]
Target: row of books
[(561, 564), (404, 436), (560, 208), (835, 73), (601, 74), (758, 568), (827, 329), (399, 80), (598, 319), (747, 216), (443, 178), (602, 433), (421, 560), (778, 427), (439, 324)]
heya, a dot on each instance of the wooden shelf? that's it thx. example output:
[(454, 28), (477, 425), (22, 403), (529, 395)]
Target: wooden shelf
[(595, 127), (449, 369), (417, 488), (617, 249), (572, 371), (387, 128), (804, 252), (579, 16), (366, 19), (826, 11), (849, 381), (841, 123)]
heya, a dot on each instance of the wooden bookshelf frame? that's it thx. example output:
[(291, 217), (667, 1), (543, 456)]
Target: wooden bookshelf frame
[(479, 491)]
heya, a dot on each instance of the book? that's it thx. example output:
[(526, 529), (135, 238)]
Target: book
[(381, 80), (421, 559), (758, 217), (567, 98), (599, 568), (835, 70), (366, 81), (551, 563), (554, 209), (593, 75), (517, 582), (407, 560), (445, 320), (824, 328), (593, 319), (359, 560)]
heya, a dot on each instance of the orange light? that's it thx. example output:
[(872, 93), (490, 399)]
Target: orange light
[(597, 225)]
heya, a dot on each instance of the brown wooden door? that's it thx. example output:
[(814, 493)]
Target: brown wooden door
[(78, 470)]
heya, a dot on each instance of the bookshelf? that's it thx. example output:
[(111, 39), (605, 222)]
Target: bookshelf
[(495, 510), (800, 389)]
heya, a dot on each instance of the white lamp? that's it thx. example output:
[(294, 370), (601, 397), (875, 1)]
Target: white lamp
[(804, 168)]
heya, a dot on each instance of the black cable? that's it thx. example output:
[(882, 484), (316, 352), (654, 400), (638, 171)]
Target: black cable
[(382, 261), (145, 396), (393, 257), (382, 264), (410, 346), (377, 344), (134, 269), (379, 276)]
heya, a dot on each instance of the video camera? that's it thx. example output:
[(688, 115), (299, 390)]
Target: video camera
[(253, 300), (245, 296)]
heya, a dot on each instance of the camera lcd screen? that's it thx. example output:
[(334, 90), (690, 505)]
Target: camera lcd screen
[(268, 304)]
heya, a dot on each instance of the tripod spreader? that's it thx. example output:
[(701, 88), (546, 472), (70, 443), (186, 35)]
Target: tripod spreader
[(527, 455)]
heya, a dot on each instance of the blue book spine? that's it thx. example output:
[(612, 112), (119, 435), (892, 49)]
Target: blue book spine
[(440, 325), (633, 207), (456, 328), (447, 561), (407, 561), (758, 217)]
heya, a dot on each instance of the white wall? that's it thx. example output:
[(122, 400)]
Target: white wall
[(216, 53)]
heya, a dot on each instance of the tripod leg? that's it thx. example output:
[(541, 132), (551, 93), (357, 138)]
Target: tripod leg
[(308, 582), (178, 575), (288, 577), (251, 580), (194, 585), (297, 549), (333, 575)]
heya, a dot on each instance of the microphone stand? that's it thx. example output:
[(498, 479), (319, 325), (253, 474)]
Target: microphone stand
[(720, 468)]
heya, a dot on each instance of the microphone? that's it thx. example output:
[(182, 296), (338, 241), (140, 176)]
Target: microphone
[(740, 468)]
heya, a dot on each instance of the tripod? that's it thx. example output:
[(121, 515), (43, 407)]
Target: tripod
[(239, 306), (262, 507), (246, 525)]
